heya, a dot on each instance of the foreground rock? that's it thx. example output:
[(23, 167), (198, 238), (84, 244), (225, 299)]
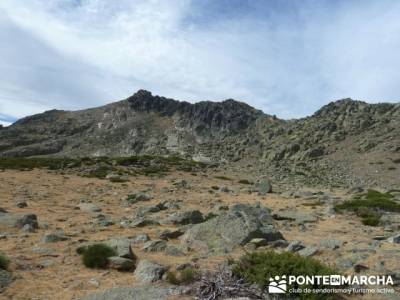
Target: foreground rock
[(236, 227), (147, 271), (147, 292)]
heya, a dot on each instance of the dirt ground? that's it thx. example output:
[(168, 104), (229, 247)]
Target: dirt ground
[(58, 273)]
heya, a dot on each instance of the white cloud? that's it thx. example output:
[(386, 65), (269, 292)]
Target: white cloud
[(71, 54)]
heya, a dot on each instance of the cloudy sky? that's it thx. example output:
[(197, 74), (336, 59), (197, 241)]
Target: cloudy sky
[(285, 57)]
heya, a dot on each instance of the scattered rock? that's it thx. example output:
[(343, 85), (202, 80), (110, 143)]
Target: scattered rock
[(168, 234), (6, 279), (293, 215), (184, 218), (263, 186), (142, 222), (173, 251), (295, 246), (120, 263), (308, 251), (122, 246), (89, 207), (30, 219), (394, 239), (137, 197), (331, 244), (21, 204), (258, 242), (155, 246), (55, 237), (147, 271), (141, 238)]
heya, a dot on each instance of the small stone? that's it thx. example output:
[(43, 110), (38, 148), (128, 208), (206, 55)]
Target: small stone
[(258, 242), (295, 246), (155, 246), (55, 237)]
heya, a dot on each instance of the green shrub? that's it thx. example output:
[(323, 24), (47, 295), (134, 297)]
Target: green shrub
[(371, 220), (369, 206), (259, 267), (186, 276), (4, 262), (95, 256), (172, 278)]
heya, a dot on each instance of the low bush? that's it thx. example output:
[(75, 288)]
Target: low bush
[(95, 256), (369, 206), (259, 267), (4, 262), (186, 276)]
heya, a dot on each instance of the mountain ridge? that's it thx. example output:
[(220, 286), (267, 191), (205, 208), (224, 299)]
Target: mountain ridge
[(224, 132)]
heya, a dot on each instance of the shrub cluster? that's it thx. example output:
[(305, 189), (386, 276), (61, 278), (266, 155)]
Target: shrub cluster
[(370, 206)]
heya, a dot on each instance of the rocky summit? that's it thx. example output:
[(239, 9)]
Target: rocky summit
[(346, 142), (152, 198)]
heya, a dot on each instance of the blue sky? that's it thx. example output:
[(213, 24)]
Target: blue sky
[(285, 57)]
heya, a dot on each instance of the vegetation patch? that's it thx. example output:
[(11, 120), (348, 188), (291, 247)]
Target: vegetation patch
[(186, 276), (4, 262), (259, 267), (370, 206), (95, 256)]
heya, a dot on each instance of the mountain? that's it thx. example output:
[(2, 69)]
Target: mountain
[(345, 142)]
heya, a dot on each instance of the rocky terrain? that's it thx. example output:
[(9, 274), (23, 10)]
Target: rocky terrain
[(345, 143), (177, 194)]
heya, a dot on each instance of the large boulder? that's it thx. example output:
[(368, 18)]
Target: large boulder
[(238, 226), (147, 271)]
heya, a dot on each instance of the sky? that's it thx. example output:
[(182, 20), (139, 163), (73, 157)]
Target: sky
[(286, 58)]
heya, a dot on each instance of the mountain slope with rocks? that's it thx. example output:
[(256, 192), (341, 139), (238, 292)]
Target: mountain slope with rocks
[(346, 142)]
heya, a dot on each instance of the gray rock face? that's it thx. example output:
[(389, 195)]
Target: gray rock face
[(147, 292), (147, 271), (185, 218), (120, 263), (238, 226)]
